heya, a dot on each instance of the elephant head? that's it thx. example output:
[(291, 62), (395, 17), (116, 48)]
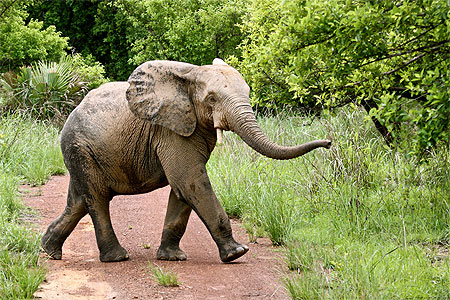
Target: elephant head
[(181, 96)]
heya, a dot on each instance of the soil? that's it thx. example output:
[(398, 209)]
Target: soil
[(80, 274)]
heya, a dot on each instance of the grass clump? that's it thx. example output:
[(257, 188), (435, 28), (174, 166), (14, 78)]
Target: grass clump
[(29, 149), (29, 153), (357, 221), (164, 277)]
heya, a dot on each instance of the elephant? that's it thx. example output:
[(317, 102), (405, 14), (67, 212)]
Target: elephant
[(158, 128)]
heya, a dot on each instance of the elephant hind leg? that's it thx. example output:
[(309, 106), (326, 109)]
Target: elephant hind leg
[(175, 223), (62, 227), (107, 242)]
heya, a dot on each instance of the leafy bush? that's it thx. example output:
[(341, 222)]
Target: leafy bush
[(50, 90), (389, 57), (22, 43), (189, 31), (122, 34), (90, 71), (95, 28)]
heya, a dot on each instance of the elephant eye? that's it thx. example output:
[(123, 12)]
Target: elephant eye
[(210, 99)]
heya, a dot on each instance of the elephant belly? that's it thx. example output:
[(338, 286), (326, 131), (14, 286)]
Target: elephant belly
[(133, 185), (137, 171)]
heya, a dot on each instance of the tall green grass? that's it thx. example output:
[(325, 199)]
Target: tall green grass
[(29, 153), (357, 221)]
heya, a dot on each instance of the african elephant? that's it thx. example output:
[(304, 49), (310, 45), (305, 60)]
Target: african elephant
[(157, 129)]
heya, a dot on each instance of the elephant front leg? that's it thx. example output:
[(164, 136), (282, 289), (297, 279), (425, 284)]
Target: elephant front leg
[(195, 187), (175, 223), (216, 220)]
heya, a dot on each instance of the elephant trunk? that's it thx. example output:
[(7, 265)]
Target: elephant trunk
[(243, 122)]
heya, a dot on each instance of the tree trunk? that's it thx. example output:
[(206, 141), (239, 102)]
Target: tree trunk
[(385, 133)]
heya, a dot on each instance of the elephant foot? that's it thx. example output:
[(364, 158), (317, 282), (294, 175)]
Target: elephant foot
[(117, 254), (54, 250), (170, 253), (230, 253)]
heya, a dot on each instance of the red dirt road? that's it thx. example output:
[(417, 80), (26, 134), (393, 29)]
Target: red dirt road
[(80, 274)]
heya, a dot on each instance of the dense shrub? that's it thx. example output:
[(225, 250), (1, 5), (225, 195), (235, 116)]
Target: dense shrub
[(95, 27), (124, 33), (189, 31), (50, 90), (24, 43), (391, 57), (89, 70)]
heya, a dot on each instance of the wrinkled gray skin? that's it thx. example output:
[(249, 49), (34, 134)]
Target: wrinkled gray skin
[(158, 128)]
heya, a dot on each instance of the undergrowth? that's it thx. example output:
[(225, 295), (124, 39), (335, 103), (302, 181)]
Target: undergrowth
[(29, 153), (357, 221)]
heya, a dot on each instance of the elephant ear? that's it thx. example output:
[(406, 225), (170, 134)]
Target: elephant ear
[(158, 92)]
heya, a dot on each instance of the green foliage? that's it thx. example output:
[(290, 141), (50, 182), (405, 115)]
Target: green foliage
[(24, 144), (359, 220), (164, 277), (25, 43), (390, 57), (122, 34), (29, 149), (95, 27), (20, 276), (349, 270), (189, 31), (50, 90), (47, 89), (90, 71)]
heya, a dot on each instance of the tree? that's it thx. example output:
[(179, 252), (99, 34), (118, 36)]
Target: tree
[(22, 43), (194, 31), (95, 28), (391, 57), (124, 33)]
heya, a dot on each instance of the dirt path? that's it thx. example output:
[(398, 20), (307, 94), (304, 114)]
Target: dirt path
[(80, 274)]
